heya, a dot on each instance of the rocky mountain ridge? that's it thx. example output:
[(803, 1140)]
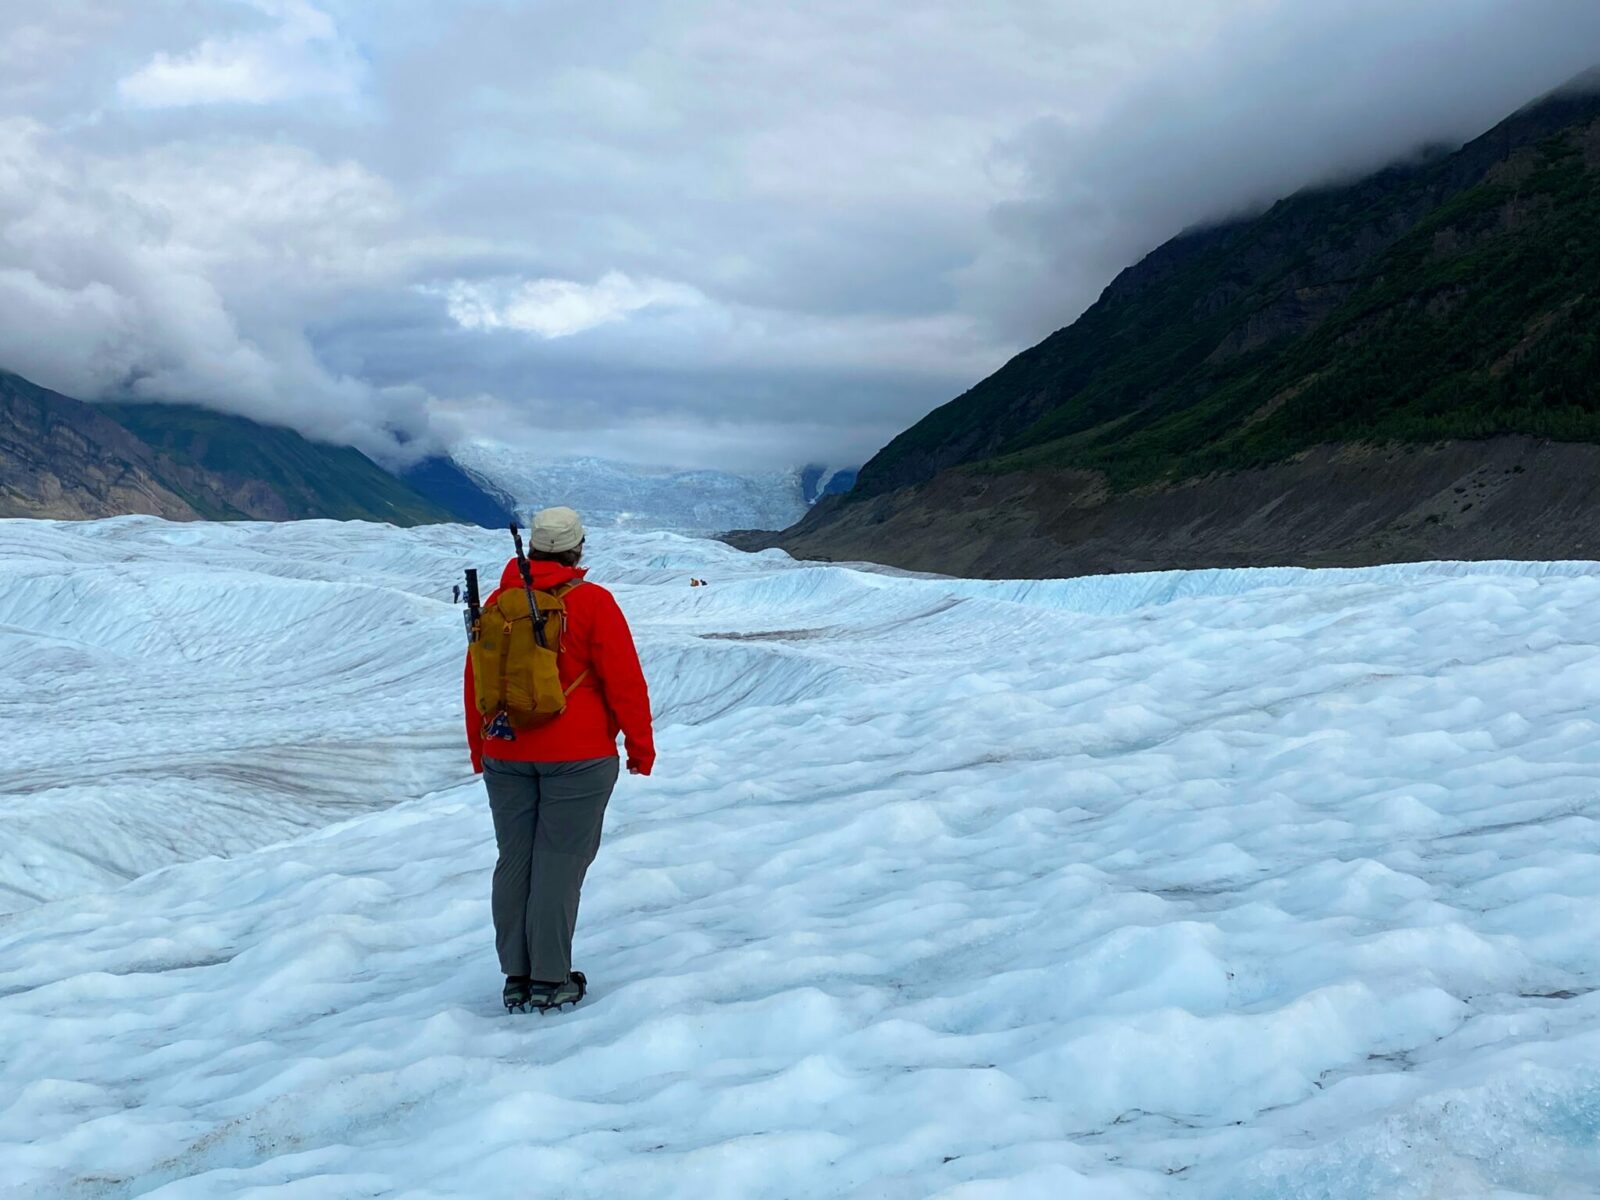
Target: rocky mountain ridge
[(61, 458)]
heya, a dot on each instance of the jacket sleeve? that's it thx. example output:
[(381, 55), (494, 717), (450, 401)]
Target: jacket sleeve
[(474, 726), (616, 660)]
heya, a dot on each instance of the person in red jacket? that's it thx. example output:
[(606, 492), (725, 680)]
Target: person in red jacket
[(548, 786)]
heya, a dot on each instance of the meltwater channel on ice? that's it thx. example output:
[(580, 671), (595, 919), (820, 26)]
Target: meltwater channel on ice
[(1225, 885)]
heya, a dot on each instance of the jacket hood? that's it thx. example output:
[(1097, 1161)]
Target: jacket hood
[(546, 575)]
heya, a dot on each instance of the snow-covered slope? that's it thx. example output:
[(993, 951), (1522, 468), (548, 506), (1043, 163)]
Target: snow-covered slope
[(817, 481), (1234, 885), (170, 691), (626, 496)]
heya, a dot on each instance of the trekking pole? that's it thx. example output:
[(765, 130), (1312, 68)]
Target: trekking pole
[(537, 617), (474, 608)]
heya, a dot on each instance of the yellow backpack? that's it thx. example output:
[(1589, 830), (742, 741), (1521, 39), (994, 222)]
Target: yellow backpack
[(516, 660)]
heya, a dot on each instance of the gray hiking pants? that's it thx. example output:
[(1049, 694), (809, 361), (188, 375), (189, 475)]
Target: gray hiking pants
[(547, 819)]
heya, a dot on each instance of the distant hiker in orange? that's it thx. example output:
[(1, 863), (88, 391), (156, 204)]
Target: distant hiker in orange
[(545, 700)]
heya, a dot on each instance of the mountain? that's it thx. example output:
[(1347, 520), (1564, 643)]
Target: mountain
[(275, 474), (1404, 367), (61, 458), (624, 495), (441, 480)]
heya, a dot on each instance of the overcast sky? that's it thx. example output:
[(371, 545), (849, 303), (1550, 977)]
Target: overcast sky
[(737, 233)]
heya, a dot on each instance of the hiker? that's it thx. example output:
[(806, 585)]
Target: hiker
[(549, 782), (455, 594)]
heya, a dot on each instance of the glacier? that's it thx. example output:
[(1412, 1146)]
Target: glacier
[(1233, 885), (638, 498)]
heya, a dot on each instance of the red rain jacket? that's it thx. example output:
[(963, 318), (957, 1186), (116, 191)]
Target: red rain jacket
[(612, 699)]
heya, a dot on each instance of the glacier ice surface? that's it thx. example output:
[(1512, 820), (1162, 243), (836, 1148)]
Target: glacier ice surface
[(1236, 885)]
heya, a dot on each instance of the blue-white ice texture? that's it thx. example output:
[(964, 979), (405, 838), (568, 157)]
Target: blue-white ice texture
[(624, 496), (1228, 885)]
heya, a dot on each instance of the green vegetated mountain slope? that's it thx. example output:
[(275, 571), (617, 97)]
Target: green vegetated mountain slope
[(273, 473), (1285, 361), (61, 458)]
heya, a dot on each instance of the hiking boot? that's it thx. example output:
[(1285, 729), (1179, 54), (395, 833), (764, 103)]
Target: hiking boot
[(518, 991), (546, 997)]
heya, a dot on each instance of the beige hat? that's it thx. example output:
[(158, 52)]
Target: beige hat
[(554, 530)]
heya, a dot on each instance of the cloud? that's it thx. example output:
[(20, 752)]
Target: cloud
[(189, 273), (301, 56), (759, 229), (556, 308), (1281, 97)]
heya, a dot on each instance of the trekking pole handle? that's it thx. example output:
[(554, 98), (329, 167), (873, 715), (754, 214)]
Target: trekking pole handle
[(474, 606)]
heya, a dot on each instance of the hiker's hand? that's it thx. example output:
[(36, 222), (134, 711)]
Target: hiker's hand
[(639, 766)]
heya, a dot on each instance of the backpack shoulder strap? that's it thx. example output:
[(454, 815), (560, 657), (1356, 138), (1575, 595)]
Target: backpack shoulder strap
[(561, 593)]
